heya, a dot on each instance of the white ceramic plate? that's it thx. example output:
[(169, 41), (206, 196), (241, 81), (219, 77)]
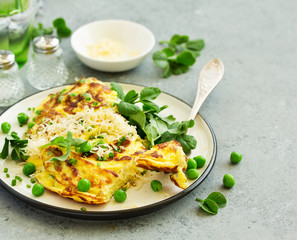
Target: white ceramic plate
[(141, 199)]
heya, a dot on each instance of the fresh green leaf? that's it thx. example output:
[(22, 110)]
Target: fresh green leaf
[(64, 32), (219, 198), (131, 96), (151, 133), (59, 22), (160, 125), (15, 154), (149, 106), (178, 39), (195, 53), (186, 58), (188, 142), (5, 149), (149, 93), (178, 68), (117, 87), (160, 59), (195, 45), (139, 117), (127, 109), (169, 51), (163, 107), (167, 72), (65, 156), (77, 142), (212, 206)]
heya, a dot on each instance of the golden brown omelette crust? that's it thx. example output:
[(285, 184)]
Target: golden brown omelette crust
[(112, 174)]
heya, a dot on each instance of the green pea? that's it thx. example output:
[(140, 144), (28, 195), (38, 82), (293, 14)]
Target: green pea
[(83, 185), (120, 195), (235, 157), (31, 124), (191, 164), (32, 180), (22, 118), (29, 168), (111, 154), (5, 127), (200, 160), (156, 185), (37, 190), (228, 180), (192, 173), (86, 147)]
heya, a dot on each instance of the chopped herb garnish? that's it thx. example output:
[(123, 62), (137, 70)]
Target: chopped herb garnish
[(98, 164), (92, 137), (72, 161), (82, 80), (83, 209), (38, 112), (121, 140), (18, 178), (101, 141), (95, 103), (86, 96), (13, 182), (73, 94), (142, 173), (28, 186), (30, 125)]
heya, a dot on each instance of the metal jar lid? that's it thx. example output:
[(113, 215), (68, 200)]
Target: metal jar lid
[(7, 59), (46, 44)]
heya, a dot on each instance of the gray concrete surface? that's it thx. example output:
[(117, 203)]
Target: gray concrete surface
[(253, 110)]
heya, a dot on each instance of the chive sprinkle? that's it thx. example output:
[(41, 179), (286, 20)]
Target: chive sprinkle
[(18, 178), (13, 182)]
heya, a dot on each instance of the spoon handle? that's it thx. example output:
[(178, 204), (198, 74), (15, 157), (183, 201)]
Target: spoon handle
[(209, 77)]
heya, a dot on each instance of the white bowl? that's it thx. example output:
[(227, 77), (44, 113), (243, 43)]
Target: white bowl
[(133, 36)]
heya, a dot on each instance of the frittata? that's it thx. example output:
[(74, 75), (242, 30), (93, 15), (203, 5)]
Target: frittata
[(88, 110)]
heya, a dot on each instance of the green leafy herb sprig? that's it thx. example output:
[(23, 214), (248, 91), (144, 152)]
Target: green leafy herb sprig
[(149, 122), (179, 55), (59, 24), (213, 202), (67, 143), (17, 145)]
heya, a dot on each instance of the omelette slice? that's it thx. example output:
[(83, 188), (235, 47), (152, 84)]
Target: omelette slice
[(88, 111)]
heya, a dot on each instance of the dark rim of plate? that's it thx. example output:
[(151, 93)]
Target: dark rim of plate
[(115, 214)]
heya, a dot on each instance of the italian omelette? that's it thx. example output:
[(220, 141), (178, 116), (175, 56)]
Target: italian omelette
[(88, 109)]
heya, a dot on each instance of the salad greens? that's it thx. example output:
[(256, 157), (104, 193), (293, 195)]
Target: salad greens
[(142, 112), (179, 55)]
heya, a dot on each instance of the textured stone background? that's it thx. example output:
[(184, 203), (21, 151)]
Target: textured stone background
[(252, 111)]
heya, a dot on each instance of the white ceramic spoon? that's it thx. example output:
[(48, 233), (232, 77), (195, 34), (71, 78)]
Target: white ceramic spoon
[(210, 76)]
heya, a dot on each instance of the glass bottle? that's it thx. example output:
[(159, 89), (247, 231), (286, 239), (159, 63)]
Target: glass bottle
[(11, 86), (46, 68)]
